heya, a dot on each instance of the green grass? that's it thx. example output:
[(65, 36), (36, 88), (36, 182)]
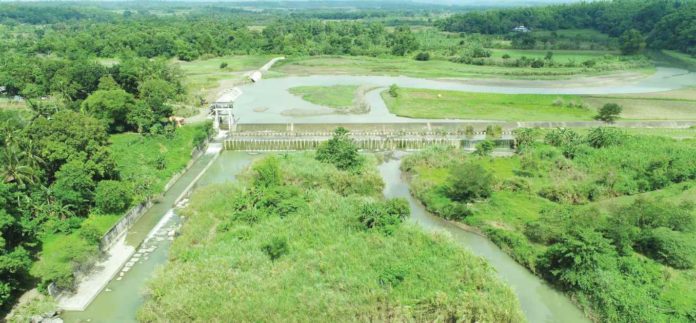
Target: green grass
[(336, 96), (593, 184), (562, 56), (686, 59), (335, 269), (422, 103), (138, 157), (435, 68), (204, 79)]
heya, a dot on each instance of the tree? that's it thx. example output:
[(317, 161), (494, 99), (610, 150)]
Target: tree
[(609, 112), (340, 151), (631, 42), (14, 168), (402, 41), (111, 107), (468, 182), (156, 93), (75, 186), (112, 196)]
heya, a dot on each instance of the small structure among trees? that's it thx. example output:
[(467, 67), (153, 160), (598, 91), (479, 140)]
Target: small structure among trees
[(521, 29), (221, 109)]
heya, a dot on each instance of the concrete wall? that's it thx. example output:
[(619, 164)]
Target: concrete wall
[(137, 211)]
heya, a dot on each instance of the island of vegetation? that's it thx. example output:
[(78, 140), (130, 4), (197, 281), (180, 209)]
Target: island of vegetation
[(350, 259)]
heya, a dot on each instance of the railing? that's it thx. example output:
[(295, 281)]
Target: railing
[(363, 143)]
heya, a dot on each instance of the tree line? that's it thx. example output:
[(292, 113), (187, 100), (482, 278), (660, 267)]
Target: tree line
[(665, 24)]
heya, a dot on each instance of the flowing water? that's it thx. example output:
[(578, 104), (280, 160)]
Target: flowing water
[(539, 301), (120, 300)]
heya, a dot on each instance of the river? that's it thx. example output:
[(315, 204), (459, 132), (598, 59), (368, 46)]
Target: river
[(269, 101), (120, 300), (539, 301)]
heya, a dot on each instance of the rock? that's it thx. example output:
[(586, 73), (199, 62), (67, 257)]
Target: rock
[(49, 314), (53, 320), (36, 319), (107, 290)]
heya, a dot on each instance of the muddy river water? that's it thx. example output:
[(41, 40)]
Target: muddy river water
[(269, 100)]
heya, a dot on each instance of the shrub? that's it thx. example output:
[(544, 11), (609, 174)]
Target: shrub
[(558, 102), (90, 233), (574, 261), (601, 137), (455, 211), (423, 56), (525, 137), (469, 132), (669, 247), (112, 197), (276, 248), (506, 56), (384, 216), (340, 151), (469, 182), (484, 148), (537, 63), (394, 90), (223, 65), (267, 173), (494, 131), (609, 112)]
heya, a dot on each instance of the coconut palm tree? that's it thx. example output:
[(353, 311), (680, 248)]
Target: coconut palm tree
[(13, 168)]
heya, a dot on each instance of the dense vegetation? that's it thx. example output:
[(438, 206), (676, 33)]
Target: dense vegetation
[(351, 259), (606, 216), (665, 24), (64, 184)]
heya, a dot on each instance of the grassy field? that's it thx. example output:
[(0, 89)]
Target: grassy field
[(686, 59), (337, 96), (146, 163), (333, 267), (203, 77), (542, 190), (421, 103), (8, 103), (562, 56), (407, 66)]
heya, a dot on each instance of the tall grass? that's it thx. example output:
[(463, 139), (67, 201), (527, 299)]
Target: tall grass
[(334, 270)]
